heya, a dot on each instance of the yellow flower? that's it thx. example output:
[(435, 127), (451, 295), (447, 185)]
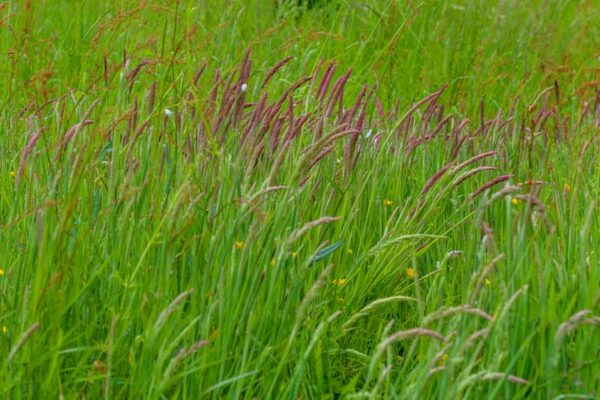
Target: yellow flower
[(239, 244), (349, 251), (294, 254), (12, 174), (1, 272), (411, 273), (273, 262), (487, 282), (387, 202), (4, 330), (515, 201), (339, 282)]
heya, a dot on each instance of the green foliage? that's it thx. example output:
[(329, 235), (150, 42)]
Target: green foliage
[(178, 222)]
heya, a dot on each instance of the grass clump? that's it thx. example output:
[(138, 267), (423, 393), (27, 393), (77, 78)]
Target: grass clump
[(335, 199)]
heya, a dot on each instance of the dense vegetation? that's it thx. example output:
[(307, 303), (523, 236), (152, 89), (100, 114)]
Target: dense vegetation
[(323, 199)]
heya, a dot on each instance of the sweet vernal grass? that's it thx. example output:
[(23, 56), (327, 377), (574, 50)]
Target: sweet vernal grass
[(299, 199)]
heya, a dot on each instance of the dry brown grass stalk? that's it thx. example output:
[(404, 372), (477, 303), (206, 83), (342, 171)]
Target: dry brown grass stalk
[(489, 184)]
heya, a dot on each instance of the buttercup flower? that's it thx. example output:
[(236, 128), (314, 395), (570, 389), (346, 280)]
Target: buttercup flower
[(339, 282)]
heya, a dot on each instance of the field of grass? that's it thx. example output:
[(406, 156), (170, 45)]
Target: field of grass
[(267, 199)]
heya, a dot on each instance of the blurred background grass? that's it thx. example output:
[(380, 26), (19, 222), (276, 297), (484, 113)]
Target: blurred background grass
[(485, 50)]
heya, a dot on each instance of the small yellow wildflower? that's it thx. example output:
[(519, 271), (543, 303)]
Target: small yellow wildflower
[(12, 174), (4, 330), (487, 282), (273, 262), (411, 273), (339, 282), (515, 201), (294, 254), (443, 359), (1, 272), (349, 251), (387, 202), (239, 244)]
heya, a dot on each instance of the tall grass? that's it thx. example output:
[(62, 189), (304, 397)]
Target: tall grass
[(250, 200)]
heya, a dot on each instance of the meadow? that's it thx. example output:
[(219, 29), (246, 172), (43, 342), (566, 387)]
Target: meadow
[(266, 199)]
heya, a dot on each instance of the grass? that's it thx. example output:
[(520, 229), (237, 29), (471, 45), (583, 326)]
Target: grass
[(404, 208)]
